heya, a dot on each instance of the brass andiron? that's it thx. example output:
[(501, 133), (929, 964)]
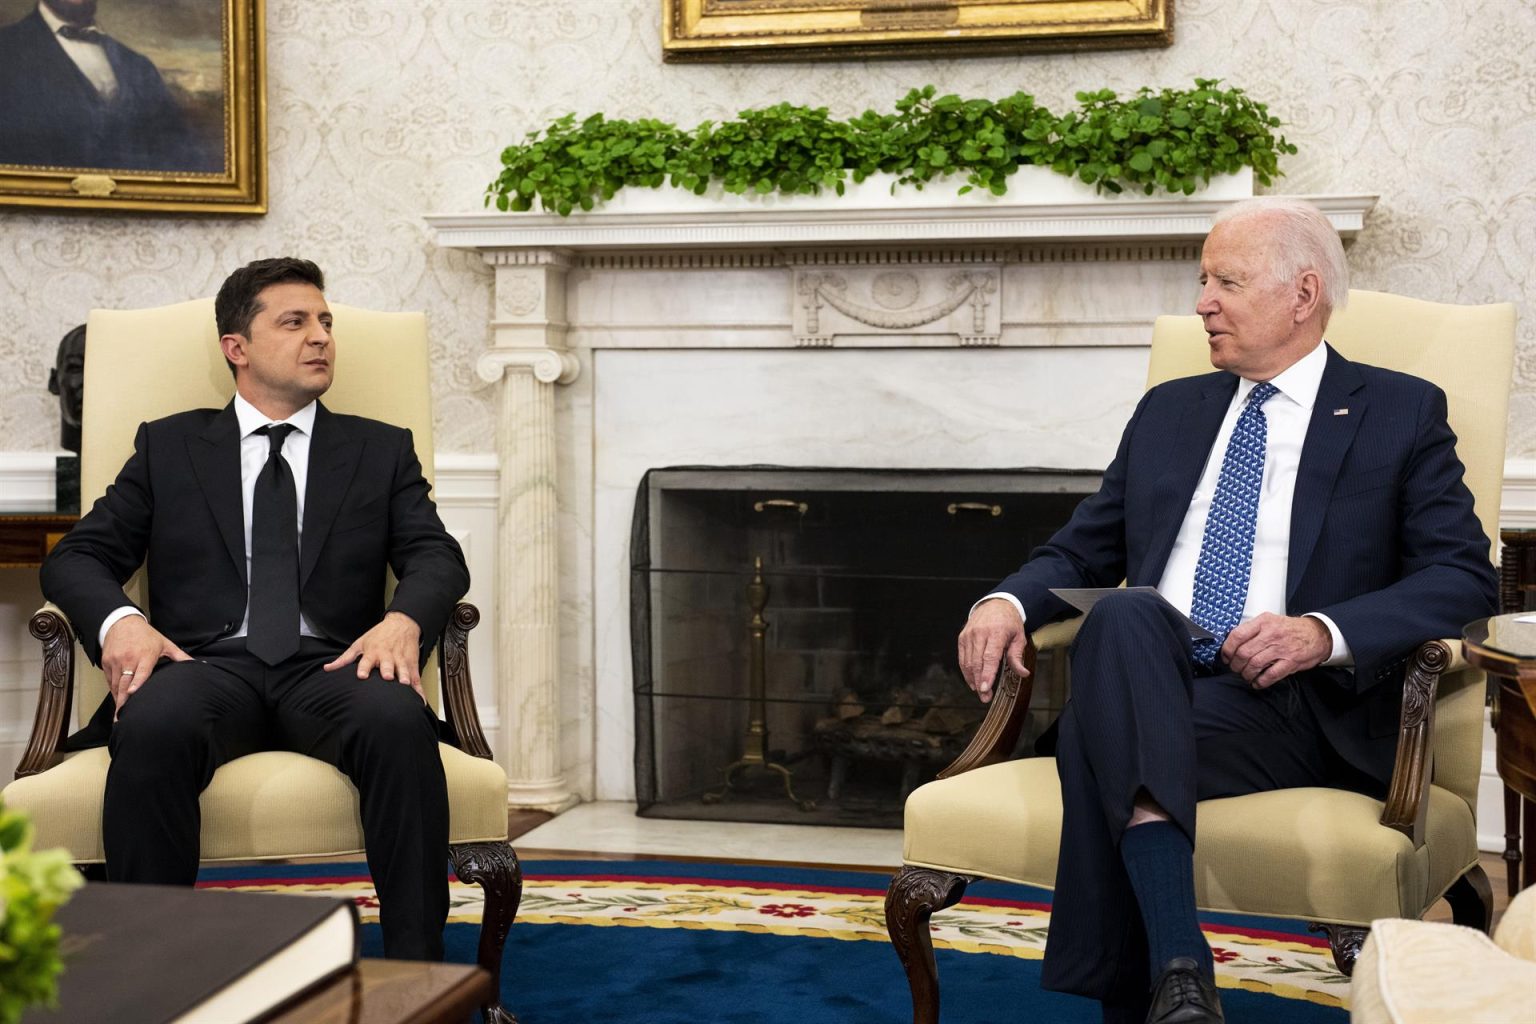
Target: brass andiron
[(755, 756)]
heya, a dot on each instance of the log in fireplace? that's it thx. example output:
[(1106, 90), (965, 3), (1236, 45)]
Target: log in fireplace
[(793, 632)]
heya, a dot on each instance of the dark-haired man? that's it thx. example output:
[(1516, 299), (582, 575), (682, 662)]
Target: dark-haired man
[(268, 526)]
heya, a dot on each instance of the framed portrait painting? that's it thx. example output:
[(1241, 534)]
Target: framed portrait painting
[(133, 105), (743, 30)]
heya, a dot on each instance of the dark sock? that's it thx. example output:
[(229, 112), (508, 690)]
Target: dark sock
[(1160, 861)]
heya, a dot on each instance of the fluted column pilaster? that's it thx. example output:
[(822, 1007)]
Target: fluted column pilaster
[(528, 358)]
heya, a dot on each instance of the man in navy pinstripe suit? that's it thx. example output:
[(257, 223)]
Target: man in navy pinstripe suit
[(1357, 544)]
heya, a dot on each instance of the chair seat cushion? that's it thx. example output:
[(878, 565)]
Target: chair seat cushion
[(271, 804), (1314, 854)]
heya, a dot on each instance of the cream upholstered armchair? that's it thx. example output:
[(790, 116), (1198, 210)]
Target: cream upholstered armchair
[(1336, 859), (273, 805)]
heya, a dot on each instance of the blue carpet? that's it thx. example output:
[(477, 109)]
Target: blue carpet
[(567, 972)]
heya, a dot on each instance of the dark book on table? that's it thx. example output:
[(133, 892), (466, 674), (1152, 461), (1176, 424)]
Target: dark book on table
[(147, 954)]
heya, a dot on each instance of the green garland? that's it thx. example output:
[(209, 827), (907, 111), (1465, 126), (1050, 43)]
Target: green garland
[(1171, 141)]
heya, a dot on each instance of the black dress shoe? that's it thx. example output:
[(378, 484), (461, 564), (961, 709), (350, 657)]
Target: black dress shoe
[(1183, 996)]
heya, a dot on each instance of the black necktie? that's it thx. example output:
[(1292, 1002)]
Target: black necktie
[(82, 33), (273, 634)]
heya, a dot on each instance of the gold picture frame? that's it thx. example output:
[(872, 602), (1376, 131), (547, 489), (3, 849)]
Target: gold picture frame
[(762, 30), (177, 125)]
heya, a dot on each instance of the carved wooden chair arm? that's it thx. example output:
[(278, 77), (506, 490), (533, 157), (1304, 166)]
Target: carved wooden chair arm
[(51, 723), (1408, 798), (999, 731), (458, 690)]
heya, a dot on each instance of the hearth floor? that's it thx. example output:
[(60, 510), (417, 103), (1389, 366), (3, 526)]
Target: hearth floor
[(613, 829)]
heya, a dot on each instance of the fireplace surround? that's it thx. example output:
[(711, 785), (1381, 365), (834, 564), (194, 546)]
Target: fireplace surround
[(946, 338)]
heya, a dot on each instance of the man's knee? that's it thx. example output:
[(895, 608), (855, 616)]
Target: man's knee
[(1139, 623), (160, 718), (395, 712), (1127, 608)]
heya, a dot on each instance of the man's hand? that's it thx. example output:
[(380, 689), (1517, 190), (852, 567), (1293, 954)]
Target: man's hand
[(128, 657), (393, 646), (992, 633), (1269, 647)]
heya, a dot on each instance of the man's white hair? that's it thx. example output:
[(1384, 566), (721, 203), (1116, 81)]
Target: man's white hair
[(1306, 241)]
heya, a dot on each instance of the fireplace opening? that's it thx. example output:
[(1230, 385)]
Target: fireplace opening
[(794, 630)]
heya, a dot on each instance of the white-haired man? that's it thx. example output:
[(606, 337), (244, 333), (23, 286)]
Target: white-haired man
[(1306, 510)]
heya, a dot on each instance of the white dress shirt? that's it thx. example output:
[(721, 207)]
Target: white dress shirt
[(88, 55), (1287, 415), (253, 456)]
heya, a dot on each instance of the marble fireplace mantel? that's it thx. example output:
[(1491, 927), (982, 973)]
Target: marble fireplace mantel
[(668, 281)]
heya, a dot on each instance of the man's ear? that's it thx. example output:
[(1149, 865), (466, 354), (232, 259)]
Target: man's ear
[(233, 347), (1309, 295)]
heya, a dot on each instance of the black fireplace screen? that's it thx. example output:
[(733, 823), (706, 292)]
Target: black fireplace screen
[(794, 631)]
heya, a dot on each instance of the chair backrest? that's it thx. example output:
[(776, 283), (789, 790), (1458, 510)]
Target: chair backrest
[(1469, 352), (142, 364)]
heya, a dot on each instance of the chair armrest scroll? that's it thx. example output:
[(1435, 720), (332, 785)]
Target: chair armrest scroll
[(1408, 798), (51, 723), (458, 690), (999, 730)]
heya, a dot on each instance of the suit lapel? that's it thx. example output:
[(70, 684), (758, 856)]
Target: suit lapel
[(1186, 449), (61, 68), (333, 458), (1328, 439), (215, 457)]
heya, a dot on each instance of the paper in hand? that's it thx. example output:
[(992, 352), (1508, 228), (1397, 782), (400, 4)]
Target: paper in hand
[(1084, 598)]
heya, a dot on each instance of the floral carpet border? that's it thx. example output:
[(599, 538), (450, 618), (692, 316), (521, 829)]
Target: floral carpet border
[(1274, 963)]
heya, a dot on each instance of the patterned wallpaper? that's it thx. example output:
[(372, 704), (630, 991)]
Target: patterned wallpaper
[(383, 110)]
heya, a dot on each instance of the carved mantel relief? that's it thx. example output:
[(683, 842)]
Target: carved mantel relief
[(931, 304)]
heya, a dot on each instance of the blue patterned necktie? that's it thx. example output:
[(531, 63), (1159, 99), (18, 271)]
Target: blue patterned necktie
[(1226, 550)]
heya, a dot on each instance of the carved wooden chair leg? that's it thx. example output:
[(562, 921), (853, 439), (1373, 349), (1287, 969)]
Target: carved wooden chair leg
[(1471, 900), (913, 896), (1345, 940), (493, 867)]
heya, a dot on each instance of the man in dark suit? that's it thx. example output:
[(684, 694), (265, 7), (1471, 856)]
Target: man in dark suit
[(1310, 513), (72, 96), (267, 527)]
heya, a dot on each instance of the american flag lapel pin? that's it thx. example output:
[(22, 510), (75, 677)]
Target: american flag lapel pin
[(1341, 412)]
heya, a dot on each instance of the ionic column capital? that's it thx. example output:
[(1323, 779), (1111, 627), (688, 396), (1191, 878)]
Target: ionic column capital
[(549, 365)]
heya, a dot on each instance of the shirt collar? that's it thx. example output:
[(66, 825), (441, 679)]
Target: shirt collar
[(1299, 382), (54, 22), (252, 419)]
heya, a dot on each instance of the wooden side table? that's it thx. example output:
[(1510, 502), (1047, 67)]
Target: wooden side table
[(27, 537), (1505, 648)]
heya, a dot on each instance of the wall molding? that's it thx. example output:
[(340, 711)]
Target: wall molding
[(466, 486), (469, 480)]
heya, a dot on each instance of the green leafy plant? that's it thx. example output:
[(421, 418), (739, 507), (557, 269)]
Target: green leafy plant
[(1171, 140), (33, 884)]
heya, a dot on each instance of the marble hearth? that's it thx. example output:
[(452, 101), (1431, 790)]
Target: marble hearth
[(974, 337)]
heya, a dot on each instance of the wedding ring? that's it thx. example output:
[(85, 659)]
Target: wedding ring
[(127, 671)]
